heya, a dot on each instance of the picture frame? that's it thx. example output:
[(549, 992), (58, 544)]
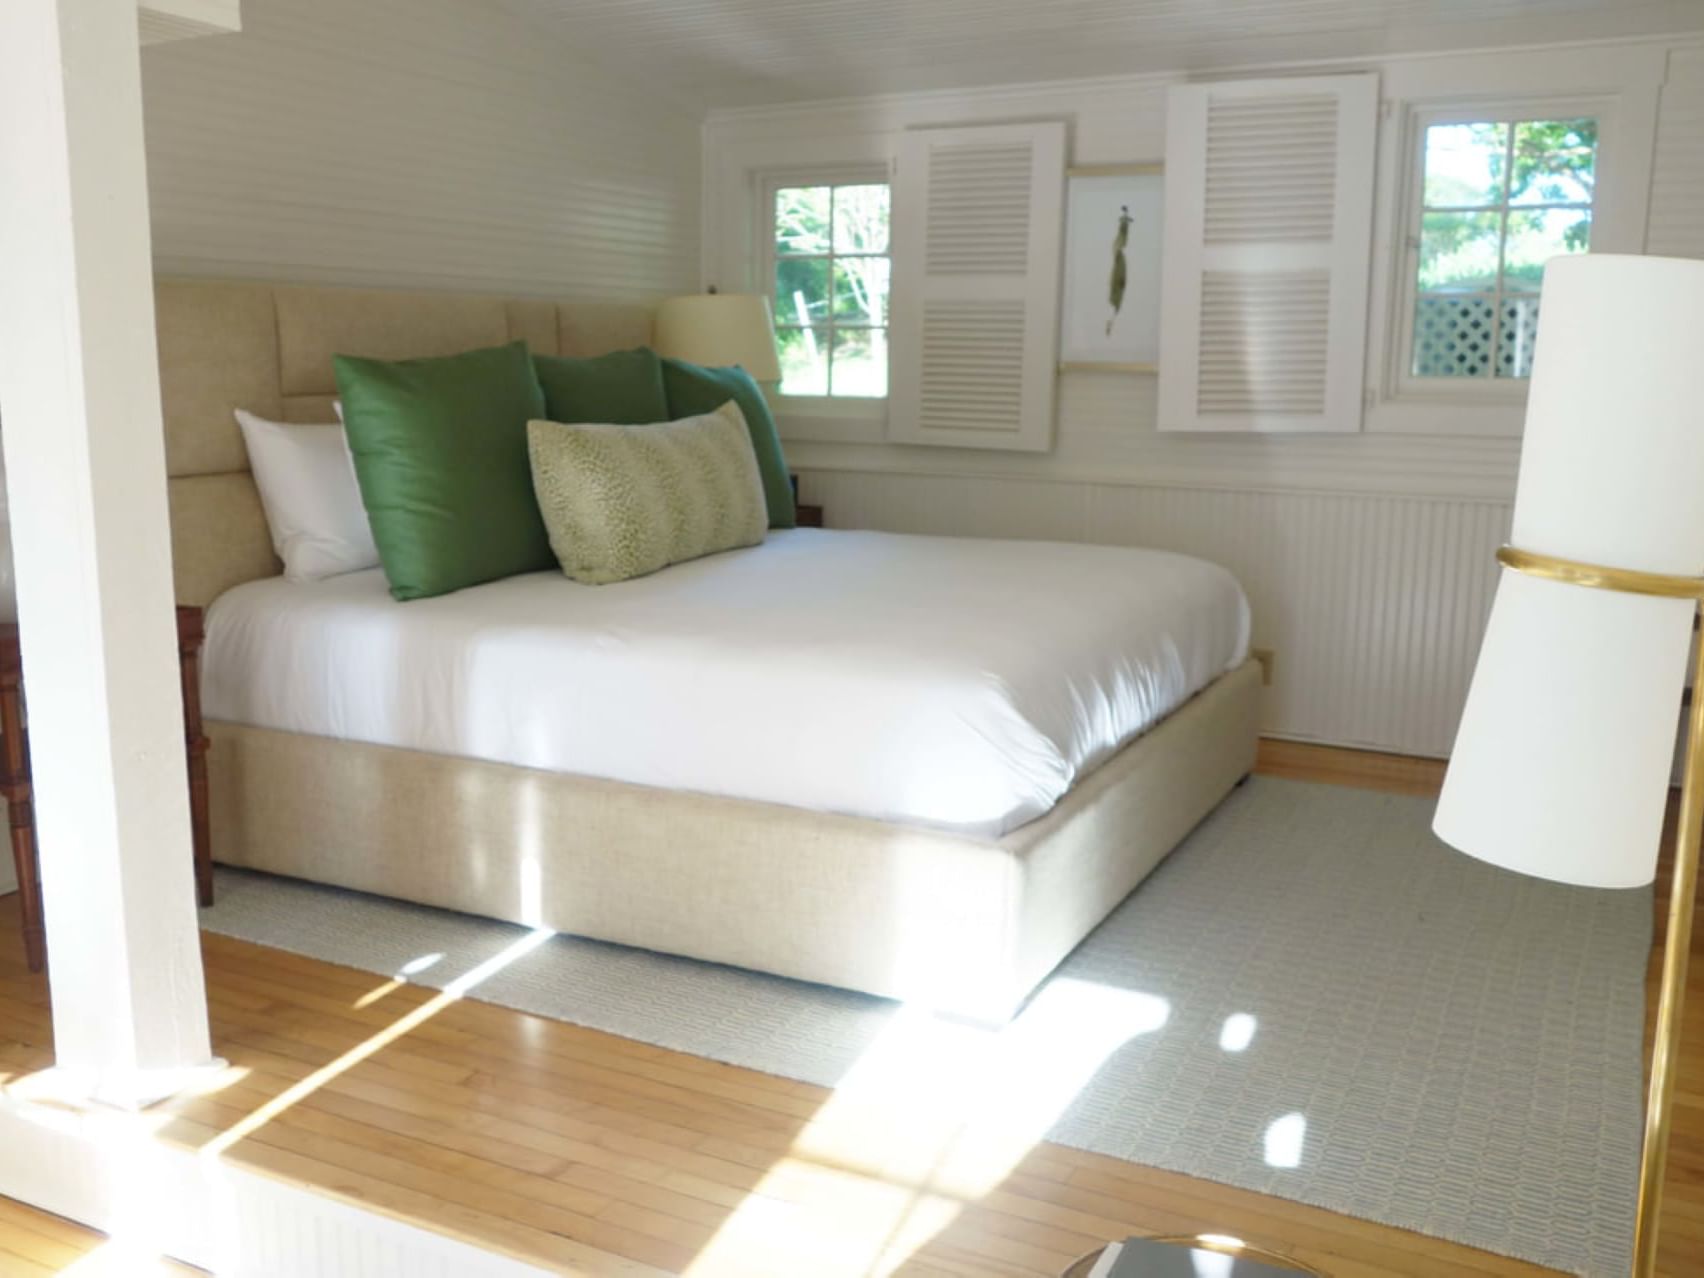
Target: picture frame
[(1110, 309)]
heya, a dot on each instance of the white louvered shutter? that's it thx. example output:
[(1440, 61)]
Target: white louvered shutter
[(1269, 208), (975, 304)]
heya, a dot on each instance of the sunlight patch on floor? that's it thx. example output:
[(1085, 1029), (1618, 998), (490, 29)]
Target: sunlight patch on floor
[(298, 1091), (1237, 1032), (115, 1259), (933, 1116), (378, 992), (1284, 1140), (413, 967), (76, 1094)]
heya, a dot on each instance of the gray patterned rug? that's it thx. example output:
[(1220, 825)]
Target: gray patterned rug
[(1312, 998)]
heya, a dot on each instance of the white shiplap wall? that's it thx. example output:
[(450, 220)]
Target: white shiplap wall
[(1677, 183), (1367, 558), (442, 144)]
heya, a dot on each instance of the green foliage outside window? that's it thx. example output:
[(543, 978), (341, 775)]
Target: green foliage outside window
[(831, 288), (1500, 199), (1463, 243)]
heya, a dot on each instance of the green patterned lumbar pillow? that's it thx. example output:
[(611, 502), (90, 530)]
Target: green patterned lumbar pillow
[(692, 389), (623, 501)]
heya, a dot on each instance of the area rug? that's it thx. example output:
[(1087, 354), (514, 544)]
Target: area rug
[(1312, 997)]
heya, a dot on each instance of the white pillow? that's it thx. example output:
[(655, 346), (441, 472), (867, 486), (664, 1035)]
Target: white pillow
[(313, 505)]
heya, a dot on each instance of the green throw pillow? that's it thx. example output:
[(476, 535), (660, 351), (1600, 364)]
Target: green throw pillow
[(623, 501), (693, 390), (625, 387), (440, 449)]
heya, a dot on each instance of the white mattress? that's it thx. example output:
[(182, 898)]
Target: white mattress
[(959, 684)]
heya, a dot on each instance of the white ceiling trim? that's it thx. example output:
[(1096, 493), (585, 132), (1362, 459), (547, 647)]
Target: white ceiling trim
[(942, 100), (738, 53)]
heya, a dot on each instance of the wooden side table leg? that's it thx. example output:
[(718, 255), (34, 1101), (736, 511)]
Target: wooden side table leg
[(190, 634), (20, 805), (200, 833), (21, 811)]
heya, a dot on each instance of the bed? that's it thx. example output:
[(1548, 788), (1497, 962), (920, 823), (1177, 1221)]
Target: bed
[(919, 767)]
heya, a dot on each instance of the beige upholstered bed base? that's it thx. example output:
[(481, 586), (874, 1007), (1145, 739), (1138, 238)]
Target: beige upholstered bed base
[(957, 923)]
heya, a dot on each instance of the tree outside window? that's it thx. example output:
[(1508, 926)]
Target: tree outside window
[(1499, 199), (831, 289)]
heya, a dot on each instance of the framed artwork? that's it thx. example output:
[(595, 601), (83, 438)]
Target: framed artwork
[(1110, 318)]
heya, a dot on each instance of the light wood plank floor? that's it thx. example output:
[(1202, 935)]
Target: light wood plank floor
[(33, 1244), (597, 1155)]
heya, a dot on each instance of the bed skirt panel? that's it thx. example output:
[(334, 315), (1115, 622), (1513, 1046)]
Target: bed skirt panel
[(964, 925)]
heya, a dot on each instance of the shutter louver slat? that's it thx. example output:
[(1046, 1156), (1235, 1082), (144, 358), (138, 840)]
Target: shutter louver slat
[(979, 198), (977, 215), (982, 385), (1268, 223), (1266, 170)]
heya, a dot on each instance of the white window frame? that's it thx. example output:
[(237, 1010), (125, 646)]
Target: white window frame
[(1510, 392), (767, 183)]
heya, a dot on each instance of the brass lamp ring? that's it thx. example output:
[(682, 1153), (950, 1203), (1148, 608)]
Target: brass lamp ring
[(1600, 577)]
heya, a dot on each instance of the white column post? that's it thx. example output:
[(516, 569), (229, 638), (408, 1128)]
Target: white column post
[(86, 476)]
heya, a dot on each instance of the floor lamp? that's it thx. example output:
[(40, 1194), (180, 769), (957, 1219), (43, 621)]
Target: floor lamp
[(1562, 764)]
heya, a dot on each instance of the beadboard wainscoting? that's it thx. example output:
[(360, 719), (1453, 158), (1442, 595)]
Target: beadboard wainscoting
[(457, 145), (1373, 604)]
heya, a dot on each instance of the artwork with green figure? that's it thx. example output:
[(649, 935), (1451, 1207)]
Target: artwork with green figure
[(1120, 268)]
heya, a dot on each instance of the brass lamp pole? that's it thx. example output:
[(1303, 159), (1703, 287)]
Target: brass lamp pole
[(1689, 827), (1562, 764)]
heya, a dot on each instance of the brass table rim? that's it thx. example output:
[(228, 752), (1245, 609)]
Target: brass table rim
[(1208, 1242)]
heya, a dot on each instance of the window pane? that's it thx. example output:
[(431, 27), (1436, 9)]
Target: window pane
[(1458, 251), (1554, 162), (1464, 164), (804, 360), (1452, 336), (1536, 236), (861, 219), (801, 290), (861, 290), (1519, 332), (801, 219), (860, 362)]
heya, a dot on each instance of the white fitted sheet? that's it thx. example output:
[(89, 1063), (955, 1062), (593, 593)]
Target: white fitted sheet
[(954, 683)]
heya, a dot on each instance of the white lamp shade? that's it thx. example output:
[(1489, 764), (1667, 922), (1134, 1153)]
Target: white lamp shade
[(1561, 764), (718, 329)]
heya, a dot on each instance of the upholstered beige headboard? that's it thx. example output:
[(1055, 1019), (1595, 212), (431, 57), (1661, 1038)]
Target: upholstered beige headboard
[(268, 348)]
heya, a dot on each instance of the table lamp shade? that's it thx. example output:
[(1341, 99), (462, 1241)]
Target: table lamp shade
[(1561, 765), (720, 329)]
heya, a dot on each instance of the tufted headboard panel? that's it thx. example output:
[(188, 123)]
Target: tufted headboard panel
[(268, 348)]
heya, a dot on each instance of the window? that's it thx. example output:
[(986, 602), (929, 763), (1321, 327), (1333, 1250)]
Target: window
[(1498, 198), (830, 255)]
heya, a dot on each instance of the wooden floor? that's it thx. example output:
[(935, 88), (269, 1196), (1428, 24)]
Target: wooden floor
[(33, 1243), (597, 1155)]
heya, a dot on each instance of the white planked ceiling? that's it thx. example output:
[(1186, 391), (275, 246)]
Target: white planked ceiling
[(721, 53)]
